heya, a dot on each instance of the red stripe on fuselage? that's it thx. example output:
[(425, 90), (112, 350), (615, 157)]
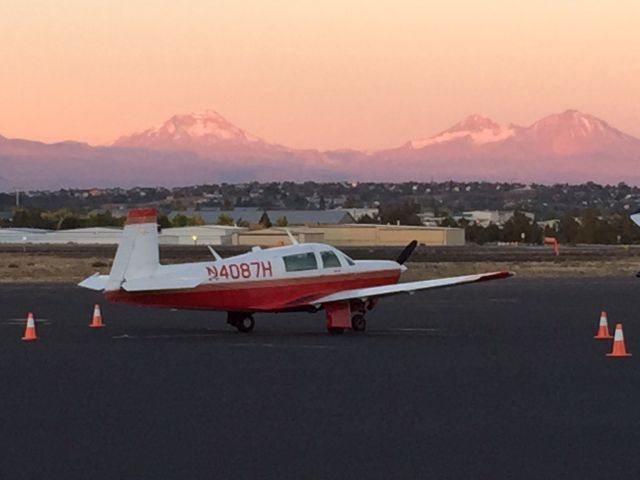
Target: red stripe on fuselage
[(264, 295)]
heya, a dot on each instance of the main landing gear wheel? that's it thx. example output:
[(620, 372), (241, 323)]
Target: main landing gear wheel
[(245, 324), (243, 321), (358, 323)]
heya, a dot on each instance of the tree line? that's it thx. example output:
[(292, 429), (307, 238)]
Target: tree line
[(64, 219), (587, 226)]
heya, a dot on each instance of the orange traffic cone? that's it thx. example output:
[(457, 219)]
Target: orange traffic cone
[(96, 321), (619, 349), (603, 328), (30, 331)]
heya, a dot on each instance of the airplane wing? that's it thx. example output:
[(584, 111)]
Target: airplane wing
[(409, 287)]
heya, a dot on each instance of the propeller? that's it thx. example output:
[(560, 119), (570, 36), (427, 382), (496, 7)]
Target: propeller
[(406, 253)]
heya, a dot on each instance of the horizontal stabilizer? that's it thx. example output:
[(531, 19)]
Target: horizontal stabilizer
[(95, 282), (409, 287), (160, 283)]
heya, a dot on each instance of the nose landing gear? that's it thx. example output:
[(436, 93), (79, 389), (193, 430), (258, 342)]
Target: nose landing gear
[(358, 323), (345, 315)]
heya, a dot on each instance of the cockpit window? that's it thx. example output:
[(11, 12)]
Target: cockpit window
[(348, 260), (300, 261), (329, 259)]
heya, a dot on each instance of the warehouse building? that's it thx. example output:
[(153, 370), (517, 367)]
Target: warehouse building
[(354, 235), (389, 235), (275, 237), (337, 235), (20, 235), (94, 235), (200, 235)]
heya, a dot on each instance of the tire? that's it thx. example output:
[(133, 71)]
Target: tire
[(246, 324), (358, 323), (336, 330)]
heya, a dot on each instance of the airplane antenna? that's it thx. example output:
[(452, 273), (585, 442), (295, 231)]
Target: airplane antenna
[(214, 253), (291, 237)]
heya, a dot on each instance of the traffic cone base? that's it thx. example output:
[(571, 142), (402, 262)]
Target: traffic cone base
[(603, 327), (96, 320), (619, 350), (30, 330)]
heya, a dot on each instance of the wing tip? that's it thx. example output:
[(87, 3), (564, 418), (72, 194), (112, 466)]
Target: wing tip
[(496, 276), (94, 282)]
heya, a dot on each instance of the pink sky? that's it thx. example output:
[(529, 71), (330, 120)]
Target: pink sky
[(330, 74)]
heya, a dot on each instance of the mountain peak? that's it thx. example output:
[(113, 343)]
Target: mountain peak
[(474, 123), (475, 128), (180, 131), (572, 132)]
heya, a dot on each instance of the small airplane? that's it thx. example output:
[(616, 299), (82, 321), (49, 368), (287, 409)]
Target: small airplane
[(297, 277)]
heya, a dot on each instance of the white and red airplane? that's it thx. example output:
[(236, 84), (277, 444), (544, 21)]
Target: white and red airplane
[(297, 277)]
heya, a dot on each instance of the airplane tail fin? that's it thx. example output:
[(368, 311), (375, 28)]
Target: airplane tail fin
[(636, 217), (137, 255)]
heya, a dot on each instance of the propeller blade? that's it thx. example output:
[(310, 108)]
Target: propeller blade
[(406, 253)]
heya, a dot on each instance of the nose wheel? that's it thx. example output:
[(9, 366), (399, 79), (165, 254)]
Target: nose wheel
[(358, 323)]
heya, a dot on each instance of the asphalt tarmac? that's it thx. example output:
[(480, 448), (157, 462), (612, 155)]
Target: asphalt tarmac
[(487, 381)]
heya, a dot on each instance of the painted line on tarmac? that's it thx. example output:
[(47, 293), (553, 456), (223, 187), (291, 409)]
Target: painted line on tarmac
[(234, 344), (411, 332), (182, 335), (417, 329), (274, 345), (22, 321)]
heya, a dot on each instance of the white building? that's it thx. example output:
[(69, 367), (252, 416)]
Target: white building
[(199, 235), (93, 235), (485, 218), (21, 235), (358, 213)]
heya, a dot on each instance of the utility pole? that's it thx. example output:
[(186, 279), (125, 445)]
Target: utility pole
[(17, 198)]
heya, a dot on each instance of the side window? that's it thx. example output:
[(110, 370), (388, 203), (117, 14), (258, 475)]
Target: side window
[(329, 259), (299, 262), (348, 260)]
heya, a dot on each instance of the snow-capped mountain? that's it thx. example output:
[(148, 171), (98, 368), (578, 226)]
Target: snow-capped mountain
[(205, 147), (475, 129), (566, 147), (204, 133), (572, 132), (567, 133)]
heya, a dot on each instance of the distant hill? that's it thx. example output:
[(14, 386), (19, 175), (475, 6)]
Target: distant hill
[(205, 147)]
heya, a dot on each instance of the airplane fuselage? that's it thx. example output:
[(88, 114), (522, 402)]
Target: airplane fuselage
[(275, 279)]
